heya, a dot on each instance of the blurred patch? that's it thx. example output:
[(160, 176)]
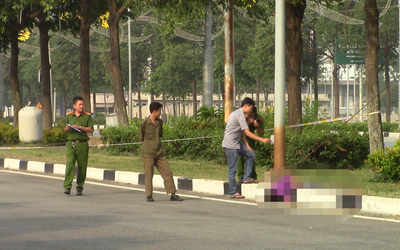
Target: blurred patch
[(311, 194)]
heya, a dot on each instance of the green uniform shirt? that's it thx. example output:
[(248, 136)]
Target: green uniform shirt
[(84, 120), (151, 135), (252, 129)]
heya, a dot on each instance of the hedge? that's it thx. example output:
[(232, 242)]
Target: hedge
[(345, 149)]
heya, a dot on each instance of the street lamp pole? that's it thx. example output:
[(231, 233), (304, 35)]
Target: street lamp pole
[(279, 99)]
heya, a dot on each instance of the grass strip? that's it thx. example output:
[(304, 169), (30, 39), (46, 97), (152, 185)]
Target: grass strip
[(187, 168)]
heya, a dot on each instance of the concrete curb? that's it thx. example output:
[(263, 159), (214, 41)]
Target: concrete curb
[(371, 204)]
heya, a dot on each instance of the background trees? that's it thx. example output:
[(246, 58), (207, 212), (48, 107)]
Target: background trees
[(174, 61)]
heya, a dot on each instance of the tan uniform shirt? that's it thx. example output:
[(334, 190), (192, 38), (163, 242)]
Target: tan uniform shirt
[(151, 135)]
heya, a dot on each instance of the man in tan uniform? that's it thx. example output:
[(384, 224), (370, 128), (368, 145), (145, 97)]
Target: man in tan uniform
[(150, 133)]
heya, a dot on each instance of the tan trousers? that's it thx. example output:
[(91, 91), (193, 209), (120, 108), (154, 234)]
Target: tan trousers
[(165, 171)]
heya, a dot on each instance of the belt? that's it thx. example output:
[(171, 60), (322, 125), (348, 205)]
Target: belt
[(78, 140)]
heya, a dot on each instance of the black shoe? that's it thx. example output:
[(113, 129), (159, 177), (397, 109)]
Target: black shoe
[(149, 199), (67, 191), (176, 198), (79, 192)]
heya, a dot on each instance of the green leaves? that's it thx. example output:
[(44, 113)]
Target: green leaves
[(386, 162)]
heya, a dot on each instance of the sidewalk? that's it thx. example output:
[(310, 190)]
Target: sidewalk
[(372, 204)]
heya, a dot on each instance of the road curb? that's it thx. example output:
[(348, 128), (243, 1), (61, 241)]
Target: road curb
[(371, 204)]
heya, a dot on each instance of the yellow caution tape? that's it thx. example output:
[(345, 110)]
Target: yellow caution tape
[(326, 121)]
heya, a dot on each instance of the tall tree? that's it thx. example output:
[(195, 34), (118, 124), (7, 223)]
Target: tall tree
[(86, 21), (388, 37), (113, 22), (44, 27), (371, 75), (294, 45), (17, 16), (90, 10)]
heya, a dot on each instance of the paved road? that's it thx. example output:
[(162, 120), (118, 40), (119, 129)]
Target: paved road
[(35, 214)]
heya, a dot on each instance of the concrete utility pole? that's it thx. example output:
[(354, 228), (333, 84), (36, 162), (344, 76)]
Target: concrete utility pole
[(354, 89), (229, 60), (1, 88), (398, 61), (130, 71), (208, 78), (52, 103), (279, 112), (360, 93), (348, 94)]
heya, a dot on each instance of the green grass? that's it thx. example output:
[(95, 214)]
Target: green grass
[(195, 169), (375, 184), (97, 159)]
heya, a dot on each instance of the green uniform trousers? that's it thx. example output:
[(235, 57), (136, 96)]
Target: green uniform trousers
[(165, 171), (80, 155), (241, 162)]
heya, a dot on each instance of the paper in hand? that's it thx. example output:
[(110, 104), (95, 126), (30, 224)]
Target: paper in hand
[(272, 139), (78, 130)]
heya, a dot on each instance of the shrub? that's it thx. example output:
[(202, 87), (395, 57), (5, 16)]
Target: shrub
[(346, 149), (312, 111), (8, 133), (99, 120), (386, 162), (121, 135), (206, 112), (56, 134), (390, 126)]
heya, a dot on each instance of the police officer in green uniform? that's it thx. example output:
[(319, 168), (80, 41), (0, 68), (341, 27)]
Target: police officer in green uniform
[(255, 122), (78, 124)]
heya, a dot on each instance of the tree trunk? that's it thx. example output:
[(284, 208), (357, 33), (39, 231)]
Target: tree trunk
[(314, 54), (258, 92), (29, 95), (45, 65), (64, 103), (239, 93), (85, 53), (387, 91), (16, 92), (179, 106), (94, 104), (294, 47), (183, 106), (221, 86), (174, 106), (113, 22), (335, 93), (139, 96), (371, 75), (164, 104), (195, 97), (265, 98)]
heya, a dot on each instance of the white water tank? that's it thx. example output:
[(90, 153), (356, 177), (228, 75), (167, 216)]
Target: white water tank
[(30, 124)]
